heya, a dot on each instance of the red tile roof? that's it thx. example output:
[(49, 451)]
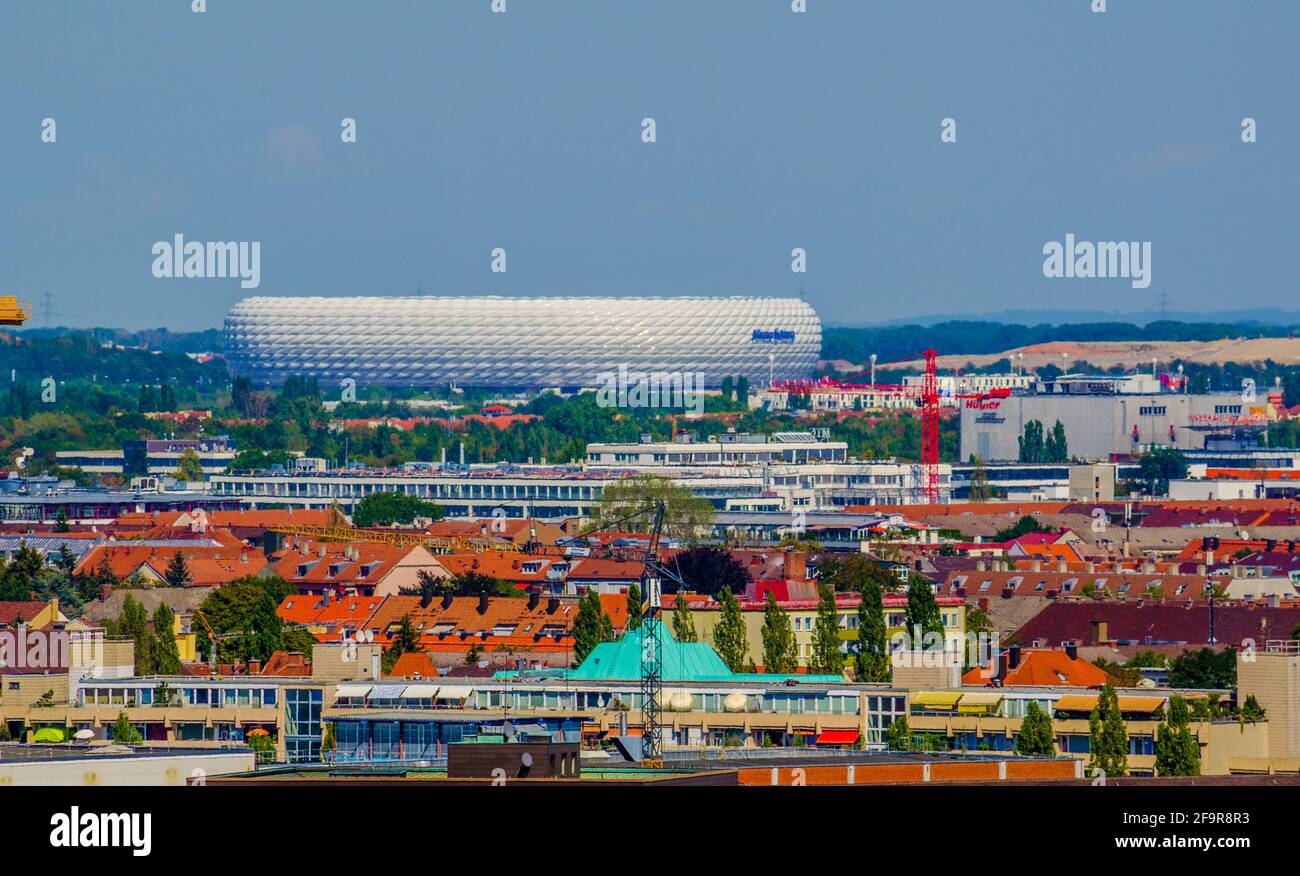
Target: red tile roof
[(1159, 622), (1043, 668), (414, 665), (497, 623)]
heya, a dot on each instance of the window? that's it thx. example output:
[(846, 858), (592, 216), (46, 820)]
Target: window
[(1152, 411)]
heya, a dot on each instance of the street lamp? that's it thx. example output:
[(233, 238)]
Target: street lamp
[(1209, 598)]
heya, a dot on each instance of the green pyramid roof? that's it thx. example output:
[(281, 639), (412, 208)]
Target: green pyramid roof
[(682, 661)]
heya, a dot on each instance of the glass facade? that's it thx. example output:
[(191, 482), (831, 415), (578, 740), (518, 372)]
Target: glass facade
[(302, 724)]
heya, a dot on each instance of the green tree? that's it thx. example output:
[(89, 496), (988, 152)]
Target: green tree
[(188, 467), (133, 623), (707, 569), (387, 509), (923, 616), (165, 695), (826, 656), (686, 516), (164, 654), (729, 636), (1032, 445), (178, 571), (871, 663), (633, 606), (683, 620), (588, 626), (780, 652), (1056, 449), (124, 733), (1204, 668), (898, 736), (1036, 738), (742, 392), (980, 491), (1108, 736), (1177, 751), (1025, 525), (405, 641), (1157, 466), (266, 627), (240, 613), (22, 575), (1251, 710)]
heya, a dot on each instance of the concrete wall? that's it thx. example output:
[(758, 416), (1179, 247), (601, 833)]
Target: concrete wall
[(113, 770), (1096, 426), (1273, 679)]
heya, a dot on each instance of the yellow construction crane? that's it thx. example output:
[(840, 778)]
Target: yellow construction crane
[(13, 311), (398, 538)]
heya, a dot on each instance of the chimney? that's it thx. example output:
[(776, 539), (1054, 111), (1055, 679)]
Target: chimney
[(254, 667), (533, 598), (320, 551), (1037, 566), (552, 605), (984, 604), (794, 565), (243, 558), (1060, 566), (446, 601), (1149, 568), (1072, 651), (304, 548), (981, 566), (325, 597), (1200, 568), (1013, 657), (482, 603), (1090, 567)]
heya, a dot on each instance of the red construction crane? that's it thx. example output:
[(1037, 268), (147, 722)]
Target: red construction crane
[(930, 430)]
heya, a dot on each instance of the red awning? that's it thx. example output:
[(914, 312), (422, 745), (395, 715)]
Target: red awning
[(837, 737)]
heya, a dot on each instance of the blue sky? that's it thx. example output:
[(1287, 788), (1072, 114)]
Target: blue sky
[(775, 130)]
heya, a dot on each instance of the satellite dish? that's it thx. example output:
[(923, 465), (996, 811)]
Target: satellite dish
[(527, 759)]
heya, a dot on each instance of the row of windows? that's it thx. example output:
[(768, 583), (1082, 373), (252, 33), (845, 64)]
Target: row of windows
[(216, 697)]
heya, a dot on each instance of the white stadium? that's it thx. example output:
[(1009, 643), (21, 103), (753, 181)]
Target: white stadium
[(520, 342)]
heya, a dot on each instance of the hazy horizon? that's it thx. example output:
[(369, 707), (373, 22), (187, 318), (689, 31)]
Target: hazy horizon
[(774, 130)]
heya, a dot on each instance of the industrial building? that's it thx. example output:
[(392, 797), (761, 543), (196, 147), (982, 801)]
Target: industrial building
[(520, 342), (1103, 416)]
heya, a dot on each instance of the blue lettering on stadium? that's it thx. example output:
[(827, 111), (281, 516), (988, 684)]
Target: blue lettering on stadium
[(776, 336)]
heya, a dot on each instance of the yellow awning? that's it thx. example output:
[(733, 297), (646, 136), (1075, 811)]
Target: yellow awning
[(936, 699), (1076, 703), (973, 703), (1140, 704)]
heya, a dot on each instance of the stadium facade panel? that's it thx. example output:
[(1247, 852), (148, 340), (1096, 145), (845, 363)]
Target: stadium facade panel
[(519, 342)]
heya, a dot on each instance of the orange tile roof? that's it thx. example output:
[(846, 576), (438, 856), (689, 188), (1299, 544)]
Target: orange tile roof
[(1044, 667), (368, 564), (416, 665), (351, 612), (287, 663), (209, 566), (506, 623), (516, 568)]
